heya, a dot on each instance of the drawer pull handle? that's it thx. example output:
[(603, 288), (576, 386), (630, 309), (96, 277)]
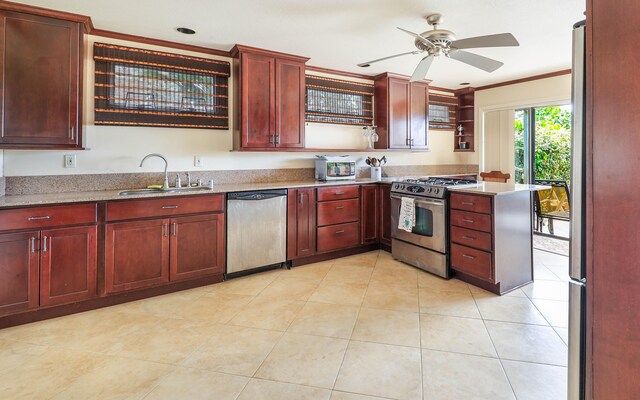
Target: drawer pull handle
[(175, 229), (468, 256), (33, 244), (467, 203), (169, 207), (339, 193), (38, 218), (339, 207), (165, 230), (339, 232), (44, 244), (468, 237), (470, 221)]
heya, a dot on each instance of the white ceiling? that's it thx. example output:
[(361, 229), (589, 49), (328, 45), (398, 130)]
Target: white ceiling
[(339, 34)]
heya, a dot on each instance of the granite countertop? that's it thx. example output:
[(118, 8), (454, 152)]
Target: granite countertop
[(105, 195), (497, 189)]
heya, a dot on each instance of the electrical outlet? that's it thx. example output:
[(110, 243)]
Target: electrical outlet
[(197, 161), (69, 160)]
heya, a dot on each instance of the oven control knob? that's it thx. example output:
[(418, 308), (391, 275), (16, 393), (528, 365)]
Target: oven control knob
[(428, 190), (436, 190)]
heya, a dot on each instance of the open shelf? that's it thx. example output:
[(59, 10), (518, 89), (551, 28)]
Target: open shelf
[(466, 119)]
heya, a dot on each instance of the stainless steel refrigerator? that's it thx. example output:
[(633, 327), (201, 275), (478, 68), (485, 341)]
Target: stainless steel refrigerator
[(577, 270)]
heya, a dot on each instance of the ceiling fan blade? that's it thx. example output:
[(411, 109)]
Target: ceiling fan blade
[(421, 70), (367, 64), (498, 40), (475, 60), (420, 38)]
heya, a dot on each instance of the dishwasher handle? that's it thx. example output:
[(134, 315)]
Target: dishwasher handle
[(257, 195)]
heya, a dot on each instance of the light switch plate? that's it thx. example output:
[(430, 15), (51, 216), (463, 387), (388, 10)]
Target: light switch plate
[(69, 160), (197, 161)]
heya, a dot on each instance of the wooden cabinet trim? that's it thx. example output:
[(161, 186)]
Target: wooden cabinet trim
[(163, 207), (339, 192), (48, 216)]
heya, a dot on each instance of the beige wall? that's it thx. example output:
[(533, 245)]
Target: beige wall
[(119, 149), (495, 118)]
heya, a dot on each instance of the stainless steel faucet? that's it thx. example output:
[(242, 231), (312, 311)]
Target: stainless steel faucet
[(165, 185)]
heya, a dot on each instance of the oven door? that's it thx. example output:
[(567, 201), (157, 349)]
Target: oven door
[(430, 230)]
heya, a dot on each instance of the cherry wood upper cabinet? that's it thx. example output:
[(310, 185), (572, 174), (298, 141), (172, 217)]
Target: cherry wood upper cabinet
[(270, 93), (41, 64), (401, 109)]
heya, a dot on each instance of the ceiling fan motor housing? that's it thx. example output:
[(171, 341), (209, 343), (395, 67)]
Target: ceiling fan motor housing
[(440, 37)]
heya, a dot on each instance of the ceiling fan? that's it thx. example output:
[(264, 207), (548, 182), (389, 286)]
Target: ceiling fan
[(439, 42)]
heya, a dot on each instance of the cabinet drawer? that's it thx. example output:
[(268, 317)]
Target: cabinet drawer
[(479, 222), (471, 261), (337, 237), (338, 212), (146, 208), (339, 193), (469, 202), (40, 217), (468, 237)]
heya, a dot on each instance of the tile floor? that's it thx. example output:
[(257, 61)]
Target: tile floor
[(356, 328)]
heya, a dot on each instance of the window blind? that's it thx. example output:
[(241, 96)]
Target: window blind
[(149, 88), (442, 111), (338, 102)]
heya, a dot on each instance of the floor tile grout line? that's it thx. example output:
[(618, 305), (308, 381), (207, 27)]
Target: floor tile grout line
[(495, 348), (344, 356)]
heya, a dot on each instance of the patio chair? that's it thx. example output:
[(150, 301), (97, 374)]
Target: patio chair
[(495, 176), (551, 204)]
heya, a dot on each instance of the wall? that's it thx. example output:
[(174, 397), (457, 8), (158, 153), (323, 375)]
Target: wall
[(494, 131), (499, 142), (119, 149)]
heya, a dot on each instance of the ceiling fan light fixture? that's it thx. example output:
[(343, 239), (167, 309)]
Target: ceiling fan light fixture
[(186, 31)]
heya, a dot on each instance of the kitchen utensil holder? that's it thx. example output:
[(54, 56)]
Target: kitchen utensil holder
[(376, 173)]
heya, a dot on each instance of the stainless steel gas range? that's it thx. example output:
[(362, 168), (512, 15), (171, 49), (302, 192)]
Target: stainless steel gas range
[(427, 245)]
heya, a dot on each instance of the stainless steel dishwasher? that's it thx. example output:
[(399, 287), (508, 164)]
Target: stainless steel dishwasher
[(256, 230)]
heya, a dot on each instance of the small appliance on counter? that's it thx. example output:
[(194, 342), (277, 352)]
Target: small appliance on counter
[(333, 168)]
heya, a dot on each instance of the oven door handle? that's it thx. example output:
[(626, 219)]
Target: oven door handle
[(421, 201)]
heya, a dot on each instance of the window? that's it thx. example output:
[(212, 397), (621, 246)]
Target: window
[(149, 88), (338, 102), (442, 111)]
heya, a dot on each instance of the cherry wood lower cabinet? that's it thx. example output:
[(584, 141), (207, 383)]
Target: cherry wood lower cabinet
[(339, 222), (491, 240), (384, 214), (46, 268), (370, 214), (197, 246), (142, 253), (19, 271), (68, 265), (136, 254), (301, 235)]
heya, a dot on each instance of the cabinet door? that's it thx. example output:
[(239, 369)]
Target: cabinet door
[(385, 214), (197, 246), (289, 103), (419, 111), (19, 256), (369, 218), (41, 77), (258, 101), (399, 133), (68, 265), (301, 223), (136, 254)]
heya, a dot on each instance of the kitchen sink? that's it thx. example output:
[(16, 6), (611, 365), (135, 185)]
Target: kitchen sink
[(135, 192)]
